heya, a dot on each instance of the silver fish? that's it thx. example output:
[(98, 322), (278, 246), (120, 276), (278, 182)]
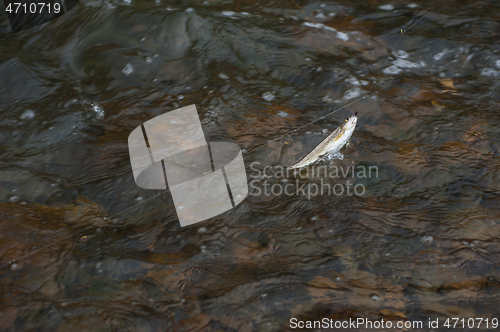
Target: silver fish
[(331, 145)]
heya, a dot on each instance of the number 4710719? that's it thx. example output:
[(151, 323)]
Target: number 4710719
[(471, 323), (33, 8)]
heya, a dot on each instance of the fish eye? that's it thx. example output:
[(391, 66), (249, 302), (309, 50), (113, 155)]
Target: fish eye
[(346, 119)]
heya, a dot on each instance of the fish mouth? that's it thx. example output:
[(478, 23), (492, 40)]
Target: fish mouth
[(353, 120)]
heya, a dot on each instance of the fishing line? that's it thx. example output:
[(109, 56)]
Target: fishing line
[(403, 30), (324, 116)]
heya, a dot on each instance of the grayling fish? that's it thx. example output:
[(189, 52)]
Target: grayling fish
[(332, 144)]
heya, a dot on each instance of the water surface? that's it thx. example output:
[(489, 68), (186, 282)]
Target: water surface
[(421, 242)]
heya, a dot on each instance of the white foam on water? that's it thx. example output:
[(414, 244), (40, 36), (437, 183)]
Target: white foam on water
[(353, 93), (98, 111), (327, 99), (392, 70), (343, 36), (490, 72), (128, 69), (412, 5), (340, 35), (427, 239), (441, 54), (353, 81), (27, 115), (320, 16), (401, 54), (283, 114), (401, 63), (268, 96), (314, 25), (387, 7), (223, 76)]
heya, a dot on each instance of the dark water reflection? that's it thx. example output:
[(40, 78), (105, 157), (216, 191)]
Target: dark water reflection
[(422, 242)]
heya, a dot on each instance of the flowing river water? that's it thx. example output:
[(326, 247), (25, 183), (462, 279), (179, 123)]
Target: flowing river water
[(412, 236)]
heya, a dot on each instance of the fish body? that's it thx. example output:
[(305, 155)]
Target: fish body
[(332, 144)]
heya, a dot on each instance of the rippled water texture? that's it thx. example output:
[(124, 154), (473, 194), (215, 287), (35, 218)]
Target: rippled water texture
[(421, 242)]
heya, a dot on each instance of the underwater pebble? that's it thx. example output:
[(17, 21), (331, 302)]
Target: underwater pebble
[(202, 230), (375, 298), (14, 198), (228, 13), (283, 114), (268, 96), (412, 5), (28, 115), (223, 76), (14, 266)]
